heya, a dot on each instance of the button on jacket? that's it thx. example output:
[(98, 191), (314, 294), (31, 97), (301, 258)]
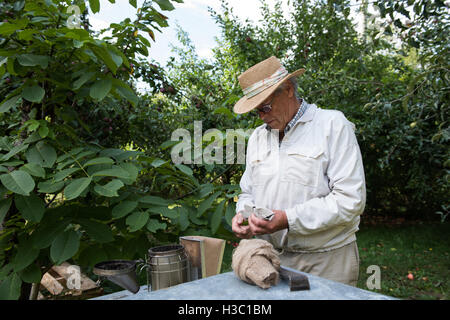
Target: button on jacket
[(315, 175)]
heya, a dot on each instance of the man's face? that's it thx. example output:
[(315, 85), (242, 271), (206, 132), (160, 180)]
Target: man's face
[(280, 115)]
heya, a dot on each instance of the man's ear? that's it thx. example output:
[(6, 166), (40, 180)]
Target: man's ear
[(290, 89)]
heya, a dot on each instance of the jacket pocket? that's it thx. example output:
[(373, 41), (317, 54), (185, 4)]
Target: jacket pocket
[(303, 165)]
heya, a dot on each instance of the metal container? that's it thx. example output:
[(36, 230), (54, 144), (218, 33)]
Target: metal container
[(167, 266), (121, 272)]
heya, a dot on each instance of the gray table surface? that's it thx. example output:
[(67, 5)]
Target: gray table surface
[(227, 286)]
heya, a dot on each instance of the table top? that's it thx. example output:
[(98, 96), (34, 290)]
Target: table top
[(227, 286)]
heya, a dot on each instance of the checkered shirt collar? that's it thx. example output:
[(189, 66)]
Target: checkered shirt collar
[(301, 111)]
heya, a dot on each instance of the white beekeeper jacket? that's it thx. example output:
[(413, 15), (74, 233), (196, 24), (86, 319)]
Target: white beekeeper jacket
[(315, 174)]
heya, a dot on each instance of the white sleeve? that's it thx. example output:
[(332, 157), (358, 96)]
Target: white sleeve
[(347, 183), (246, 196)]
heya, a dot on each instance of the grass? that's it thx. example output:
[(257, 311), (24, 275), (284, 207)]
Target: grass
[(399, 248), (420, 249)]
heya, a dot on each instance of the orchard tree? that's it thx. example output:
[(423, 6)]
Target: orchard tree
[(68, 189)]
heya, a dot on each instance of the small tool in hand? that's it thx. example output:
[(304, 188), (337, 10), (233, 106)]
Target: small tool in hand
[(262, 213)]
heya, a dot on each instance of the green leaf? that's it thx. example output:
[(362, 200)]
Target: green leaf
[(18, 5), (123, 208), (194, 219), (109, 189), (217, 217), (132, 170), (8, 104), (9, 28), (165, 212), (115, 57), (94, 5), (33, 125), (96, 230), (65, 246), (103, 54), (154, 225), (206, 204), (205, 189), (33, 138), (157, 201), (33, 94), (31, 60), (165, 5), (31, 274), (125, 91), (13, 163), (114, 172), (14, 151), (82, 80), (61, 175), (41, 154), (224, 111), (185, 169), (5, 271), (26, 254), (230, 212), (43, 131), (92, 255), (133, 3), (50, 186), (183, 218), (137, 220), (76, 187), (10, 66), (100, 160), (5, 204), (10, 288), (100, 89), (34, 169), (167, 144), (157, 163), (32, 207), (18, 181), (46, 232)]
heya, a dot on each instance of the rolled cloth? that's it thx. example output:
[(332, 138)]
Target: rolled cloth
[(255, 261)]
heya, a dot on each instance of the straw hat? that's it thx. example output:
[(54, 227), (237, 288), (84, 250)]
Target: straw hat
[(260, 81)]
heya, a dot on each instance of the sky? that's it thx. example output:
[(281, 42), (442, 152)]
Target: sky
[(192, 16)]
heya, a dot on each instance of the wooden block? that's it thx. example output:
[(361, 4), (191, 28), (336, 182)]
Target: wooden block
[(51, 284), (55, 281), (86, 282)]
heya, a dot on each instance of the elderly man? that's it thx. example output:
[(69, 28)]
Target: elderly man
[(305, 165)]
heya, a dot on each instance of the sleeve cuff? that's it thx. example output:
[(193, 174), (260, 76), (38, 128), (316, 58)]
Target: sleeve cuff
[(291, 219)]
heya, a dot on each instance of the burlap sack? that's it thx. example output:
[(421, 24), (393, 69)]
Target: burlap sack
[(255, 261)]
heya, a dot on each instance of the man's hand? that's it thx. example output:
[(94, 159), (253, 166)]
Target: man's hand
[(260, 226), (240, 230)]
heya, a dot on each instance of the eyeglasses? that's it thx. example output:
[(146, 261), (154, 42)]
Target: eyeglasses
[(266, 108)]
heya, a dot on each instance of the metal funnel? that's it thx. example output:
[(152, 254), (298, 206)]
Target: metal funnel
[(121, 272)]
